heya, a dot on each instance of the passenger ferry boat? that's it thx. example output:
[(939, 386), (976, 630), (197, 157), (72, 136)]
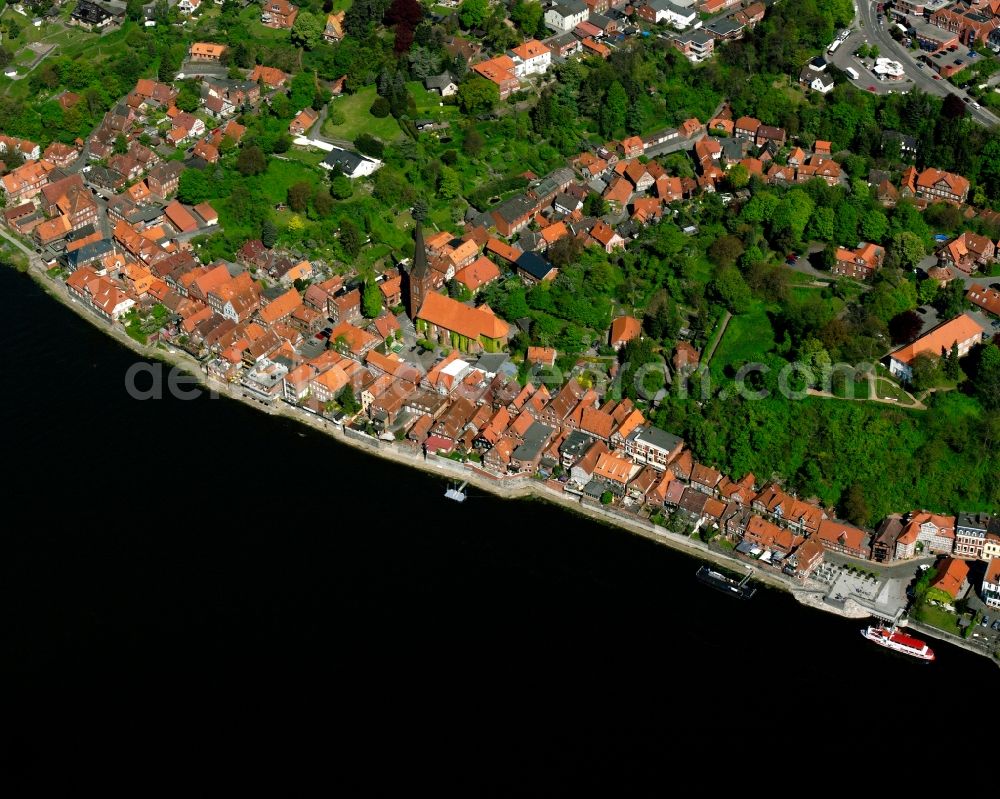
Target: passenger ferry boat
[(898, 642)]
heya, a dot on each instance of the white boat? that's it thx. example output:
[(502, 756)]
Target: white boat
[(898, 642)]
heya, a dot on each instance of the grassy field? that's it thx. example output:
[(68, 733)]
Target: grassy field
[(937, 617), (358, 120), (886, 389), (748, 337)]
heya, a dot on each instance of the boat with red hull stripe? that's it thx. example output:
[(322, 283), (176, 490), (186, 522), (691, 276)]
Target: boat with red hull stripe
[(899, 642)]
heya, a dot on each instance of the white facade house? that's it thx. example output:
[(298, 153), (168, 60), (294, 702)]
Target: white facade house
[(350, 163), (822, 83), (566, 15), (530, 58), (679, 15), (188, 6), (991, 584)]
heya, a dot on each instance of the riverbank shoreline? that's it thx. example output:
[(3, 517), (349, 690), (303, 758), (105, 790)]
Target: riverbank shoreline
[(504, 488)]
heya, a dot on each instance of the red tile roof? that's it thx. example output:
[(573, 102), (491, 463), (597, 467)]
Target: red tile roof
[(957, 330), (624, 329), (452, 315)]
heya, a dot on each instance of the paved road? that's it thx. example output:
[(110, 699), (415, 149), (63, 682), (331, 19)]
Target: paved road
[(920, 77)]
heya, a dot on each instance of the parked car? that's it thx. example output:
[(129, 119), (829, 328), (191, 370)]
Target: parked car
[(996, 625), (975, 104), (871, 88), (985, 622), (937, 77), (958, 62)]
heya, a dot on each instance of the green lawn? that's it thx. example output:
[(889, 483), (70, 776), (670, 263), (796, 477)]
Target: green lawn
[(937, 617), (853, 389), (886, 389), (357, 120), (748, 338)]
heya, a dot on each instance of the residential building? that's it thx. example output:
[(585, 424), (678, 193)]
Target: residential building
[(672, 13), (846, 538), (444, 84), (623, 330), (860, 263), (925, 532), (533, 268), (746, 128), (163, 179), (269, 76), (653, 446), (530, 58), (972, 26), (986, 298), (499, 70), (938, 184), (278, 14), (206, 51), (806, 559), (950, 576), (334, 30), (303, 122), (566, 15), (968, 252), (970, 534), (990, 591), (696, 45), (962, 331)]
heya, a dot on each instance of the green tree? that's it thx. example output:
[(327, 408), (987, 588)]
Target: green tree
[(595, 205), (351, 238), (927, 291), (472, 144), (905, 251), (299, 195), (133, 10), (121, 145), (612, 114), (952, 368), (348, 402), (473, 13), (307, 31), (369, 145), (821, 226), (854, 506), (731, 290), (874, 226), (739, 177), (478, 95), (528, 16), (251, 161), (449, 187), (371, 300), (341, 187), (193, 187), (925, 371), (950, 300), (988, 377), (607, 498), (268, 233)]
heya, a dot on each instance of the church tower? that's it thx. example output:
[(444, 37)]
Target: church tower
[(420, 278)]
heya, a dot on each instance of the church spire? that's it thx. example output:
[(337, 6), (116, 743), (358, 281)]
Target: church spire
[(419, 268), (419, 278)]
